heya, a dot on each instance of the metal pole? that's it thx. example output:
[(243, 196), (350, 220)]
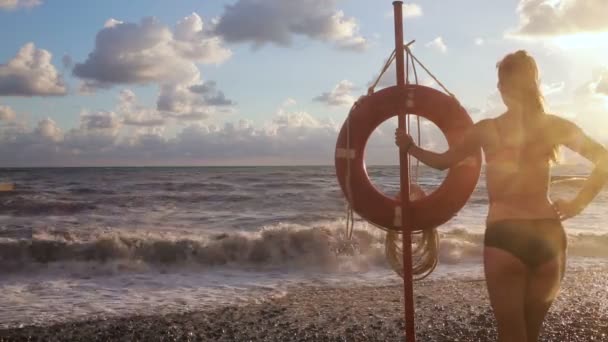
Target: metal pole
[(408, 287)]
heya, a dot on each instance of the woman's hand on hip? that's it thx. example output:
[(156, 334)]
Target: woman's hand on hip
[(567, 208)]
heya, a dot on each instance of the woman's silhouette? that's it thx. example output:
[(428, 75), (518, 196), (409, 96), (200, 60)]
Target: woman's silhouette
[(525, 243)]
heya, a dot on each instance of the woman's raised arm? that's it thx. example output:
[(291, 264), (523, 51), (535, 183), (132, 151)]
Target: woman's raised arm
[(441, 161)]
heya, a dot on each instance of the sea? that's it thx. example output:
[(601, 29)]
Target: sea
[(87, 243)]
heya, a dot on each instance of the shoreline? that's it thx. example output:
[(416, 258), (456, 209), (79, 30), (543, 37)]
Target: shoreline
[(446, 310)]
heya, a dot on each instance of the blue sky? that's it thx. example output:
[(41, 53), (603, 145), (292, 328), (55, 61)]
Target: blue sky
[(263, 81)]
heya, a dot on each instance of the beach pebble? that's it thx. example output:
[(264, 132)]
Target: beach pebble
[(348, 314)]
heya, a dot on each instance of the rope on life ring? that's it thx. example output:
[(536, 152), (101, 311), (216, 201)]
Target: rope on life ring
[(424, 254)]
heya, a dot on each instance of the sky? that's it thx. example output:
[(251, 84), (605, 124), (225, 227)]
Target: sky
[(266, 82)]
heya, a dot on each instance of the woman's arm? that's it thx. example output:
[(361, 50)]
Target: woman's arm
[(571, 136), (441, 161)]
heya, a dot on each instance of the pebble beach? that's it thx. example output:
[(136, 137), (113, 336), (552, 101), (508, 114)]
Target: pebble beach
[(446, 310)]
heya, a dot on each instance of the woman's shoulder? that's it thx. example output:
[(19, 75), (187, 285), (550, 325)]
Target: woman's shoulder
[(559, 124), (486, 123)]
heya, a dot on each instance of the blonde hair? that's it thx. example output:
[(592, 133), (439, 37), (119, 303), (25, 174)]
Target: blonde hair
[(518, 75)]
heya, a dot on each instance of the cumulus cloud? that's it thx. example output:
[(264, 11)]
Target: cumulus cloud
[(437, 44), (195, 101), (14, 4), (48, 130), (277, 21), (137, 115), (212, 96), (180, 102), (195, 42), (291, 136), (339, 96), (7, 113), (134, 54), (100, 121), (30, 73), (561, 17), (150, 52)]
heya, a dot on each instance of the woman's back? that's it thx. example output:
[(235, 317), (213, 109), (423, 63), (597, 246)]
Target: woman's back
[(517, 167)]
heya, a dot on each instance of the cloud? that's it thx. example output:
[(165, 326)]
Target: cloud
[(179, 101), (389, 79), (136, 115), (289, 102), (14, 4), (601, 87), (30, 73), (553, 88), (48, 130), (339, 96), (290, 137), (278, 21), (540, 18), (438, 44), (587, 107), (100, 121), (212, 96), (194, 42), (194, 101), (479, 41), (7, 113), (412, 10), (150, 52)]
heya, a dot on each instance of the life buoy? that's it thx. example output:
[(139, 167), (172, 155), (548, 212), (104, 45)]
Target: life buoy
[(368, 113)]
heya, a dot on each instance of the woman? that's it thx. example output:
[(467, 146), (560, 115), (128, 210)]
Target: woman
[(525, 243)]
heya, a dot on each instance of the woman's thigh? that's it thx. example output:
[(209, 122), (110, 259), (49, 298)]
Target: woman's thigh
[(506, 278)]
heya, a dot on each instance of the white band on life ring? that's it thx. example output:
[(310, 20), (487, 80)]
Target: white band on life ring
[(345, 153), (397, 217), (409, 101)]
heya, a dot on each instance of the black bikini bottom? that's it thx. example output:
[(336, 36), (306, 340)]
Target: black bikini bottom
[(534, 242)]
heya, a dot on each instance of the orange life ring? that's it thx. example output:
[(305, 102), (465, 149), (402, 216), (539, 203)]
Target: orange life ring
[(368, 113)]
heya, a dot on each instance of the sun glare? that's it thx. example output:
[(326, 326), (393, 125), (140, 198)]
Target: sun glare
[(605, 103), (583, 41)]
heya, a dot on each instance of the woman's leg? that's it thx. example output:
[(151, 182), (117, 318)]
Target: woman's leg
[(543, 285), (506, 280)]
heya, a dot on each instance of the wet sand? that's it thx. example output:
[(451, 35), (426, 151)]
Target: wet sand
[(446, 311)]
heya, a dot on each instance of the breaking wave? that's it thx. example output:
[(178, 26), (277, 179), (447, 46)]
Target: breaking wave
[(283, 245), (320, 247)]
